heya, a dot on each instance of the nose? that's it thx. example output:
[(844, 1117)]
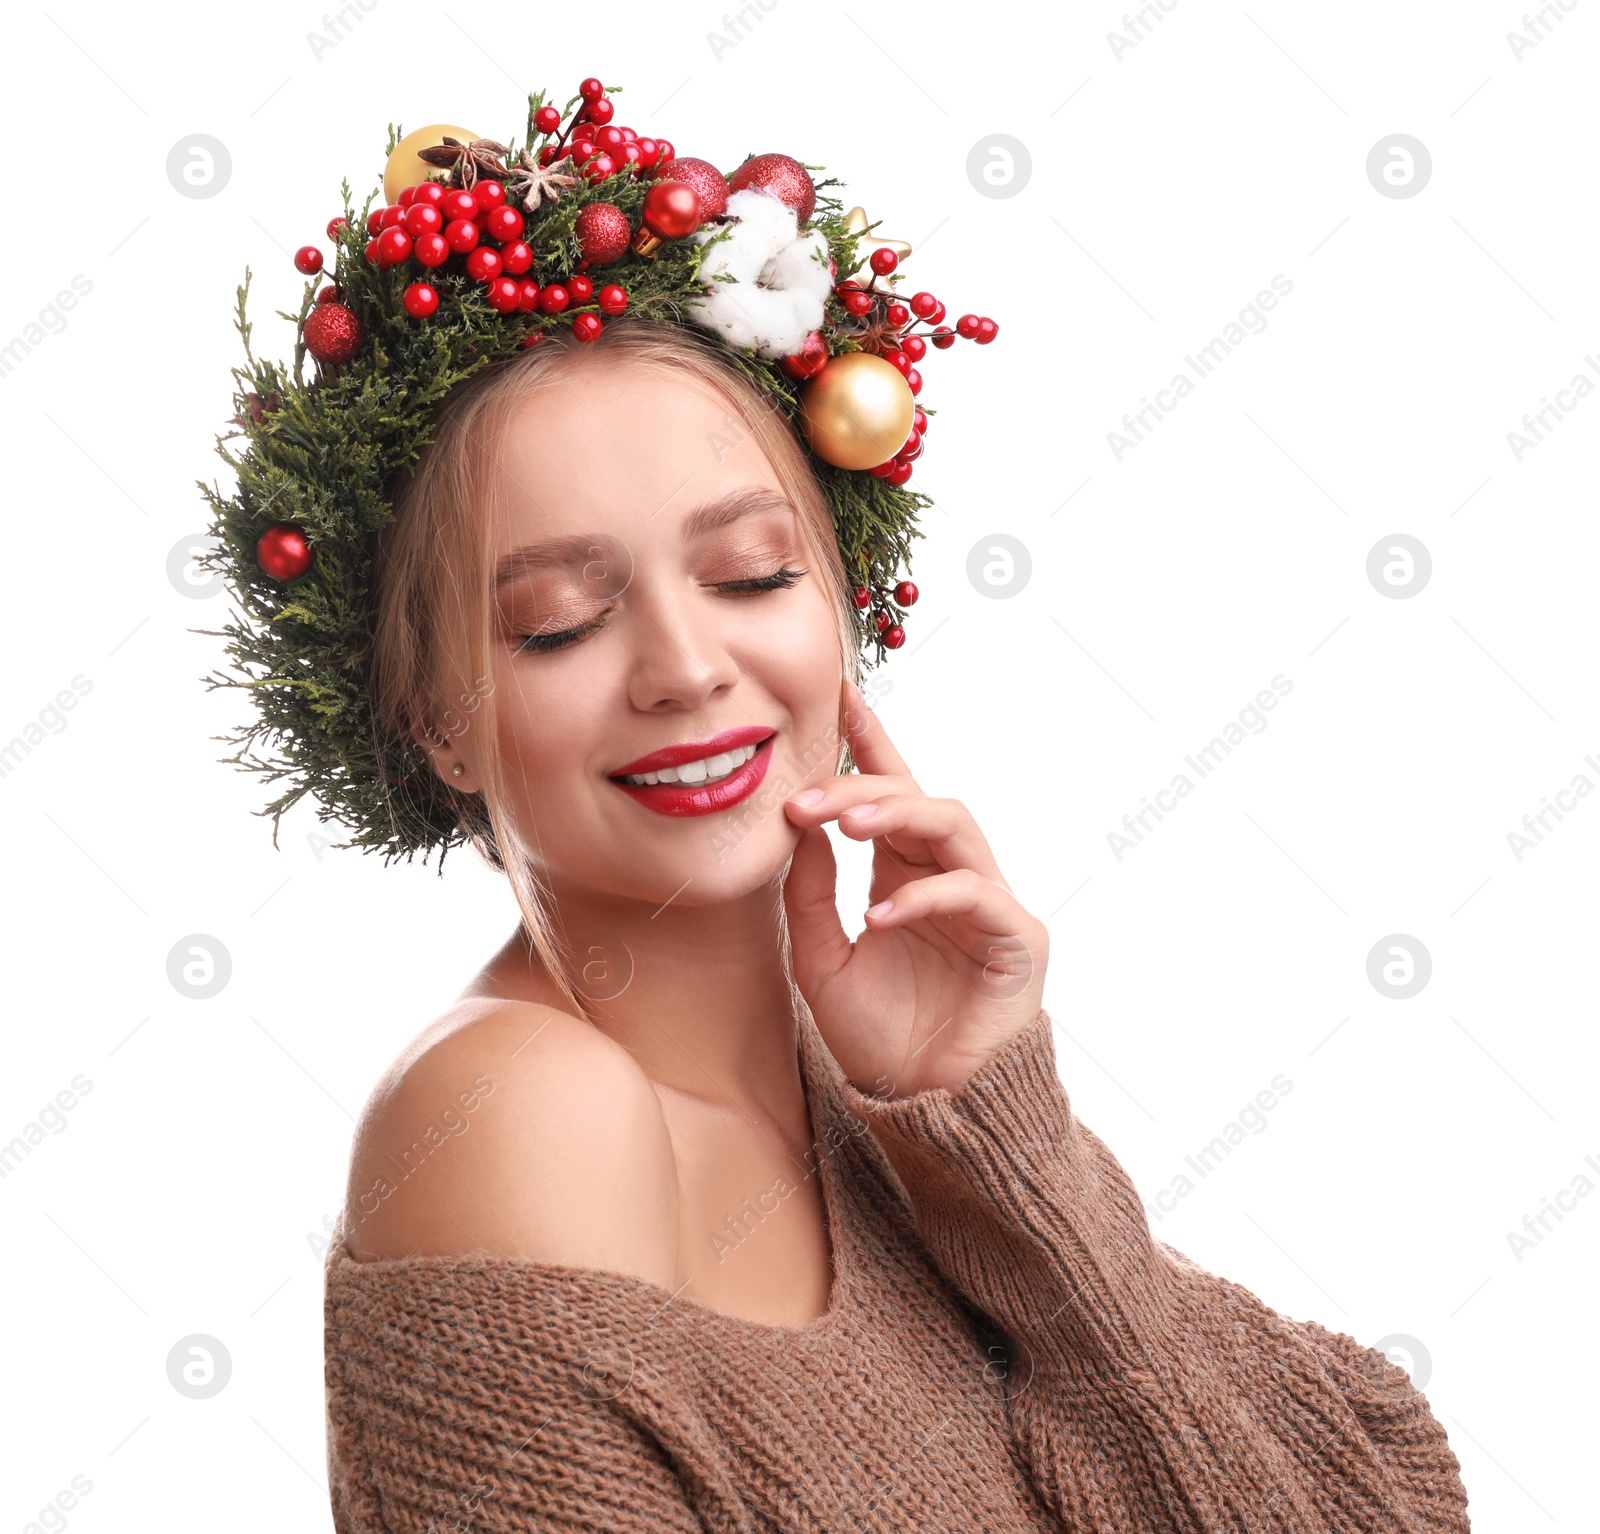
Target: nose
[(679, 656)]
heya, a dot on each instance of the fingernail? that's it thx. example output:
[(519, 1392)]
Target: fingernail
[(883, 908), (808, 798), (862, 811)]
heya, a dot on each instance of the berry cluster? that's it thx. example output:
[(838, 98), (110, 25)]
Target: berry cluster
[(883, 621)]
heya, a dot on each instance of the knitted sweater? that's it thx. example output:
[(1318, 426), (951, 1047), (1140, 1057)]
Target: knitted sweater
[(1007, 1349)]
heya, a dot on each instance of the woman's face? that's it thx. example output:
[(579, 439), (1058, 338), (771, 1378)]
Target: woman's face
[(637, 614)]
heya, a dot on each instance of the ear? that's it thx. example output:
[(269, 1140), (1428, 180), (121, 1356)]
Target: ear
[(444, 753)]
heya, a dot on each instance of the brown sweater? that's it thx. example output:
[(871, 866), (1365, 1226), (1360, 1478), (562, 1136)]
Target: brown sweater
[(1008, 1348)]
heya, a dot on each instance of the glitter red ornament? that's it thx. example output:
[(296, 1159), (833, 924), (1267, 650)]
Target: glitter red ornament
[(780, 176), (603, 233), (283, 553), (709, 184), (332, 334)]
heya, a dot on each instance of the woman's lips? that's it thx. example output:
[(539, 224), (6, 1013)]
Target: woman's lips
[(704, 798)]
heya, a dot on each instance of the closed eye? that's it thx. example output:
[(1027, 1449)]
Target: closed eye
[(777, 581)]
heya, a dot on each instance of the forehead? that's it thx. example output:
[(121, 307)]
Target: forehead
[(631, 450)]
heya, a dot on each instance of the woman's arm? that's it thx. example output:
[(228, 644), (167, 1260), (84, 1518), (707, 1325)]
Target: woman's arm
[(1127, 1348)]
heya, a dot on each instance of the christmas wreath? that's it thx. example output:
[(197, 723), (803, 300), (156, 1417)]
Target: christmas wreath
[(477, 250)]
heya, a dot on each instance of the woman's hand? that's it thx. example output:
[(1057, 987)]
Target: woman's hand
[(950, 968)]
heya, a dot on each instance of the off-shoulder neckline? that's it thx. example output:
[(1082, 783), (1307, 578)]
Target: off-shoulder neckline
[(817, 1073)]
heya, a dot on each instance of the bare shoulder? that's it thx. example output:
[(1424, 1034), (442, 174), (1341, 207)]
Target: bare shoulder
[(512, 1128)]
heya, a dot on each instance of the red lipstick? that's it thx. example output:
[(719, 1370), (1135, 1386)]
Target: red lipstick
[(700, 798)]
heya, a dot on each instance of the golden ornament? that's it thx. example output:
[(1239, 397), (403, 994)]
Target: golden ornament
[(857, 412), (856, 222), (405, 169)]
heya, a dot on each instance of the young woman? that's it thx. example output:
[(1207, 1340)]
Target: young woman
[(744, 1224), (694, 1212)]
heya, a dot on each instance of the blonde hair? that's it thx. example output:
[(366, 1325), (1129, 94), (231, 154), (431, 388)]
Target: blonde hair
[(435, 580)]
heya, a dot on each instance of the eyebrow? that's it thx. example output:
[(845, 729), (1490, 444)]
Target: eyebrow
[(557, 553)]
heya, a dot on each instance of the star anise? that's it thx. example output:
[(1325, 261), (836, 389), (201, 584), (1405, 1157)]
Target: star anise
[(481, 157), (877, 336), (259, 408), (535, 183)]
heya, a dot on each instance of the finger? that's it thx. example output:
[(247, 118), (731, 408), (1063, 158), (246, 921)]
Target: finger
[(960, 894), (823, 801), (869, 742), (924, 830), (819, 947)]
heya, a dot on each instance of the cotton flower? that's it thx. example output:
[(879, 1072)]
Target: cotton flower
[(781, 277)]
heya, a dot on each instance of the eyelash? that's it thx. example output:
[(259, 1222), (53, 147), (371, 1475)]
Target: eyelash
[(779, 580)]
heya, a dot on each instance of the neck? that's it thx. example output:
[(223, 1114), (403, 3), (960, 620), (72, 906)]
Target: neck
[(696, 993)]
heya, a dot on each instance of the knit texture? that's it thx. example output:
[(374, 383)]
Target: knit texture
[(1007, 1349)]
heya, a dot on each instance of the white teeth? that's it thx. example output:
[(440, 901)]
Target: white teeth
[(708, 770)]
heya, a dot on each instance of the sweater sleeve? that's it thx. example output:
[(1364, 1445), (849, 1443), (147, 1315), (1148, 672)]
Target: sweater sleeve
[(1125, 1349), (458, 1402)]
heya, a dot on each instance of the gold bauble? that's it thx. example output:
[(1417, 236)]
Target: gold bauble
[(405, 169), (857, 412)]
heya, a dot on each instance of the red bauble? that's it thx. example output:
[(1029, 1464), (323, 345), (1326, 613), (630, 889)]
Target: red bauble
[(809, 360), (420, 300), (603, 233), (612, 299), (893, 637), (905, 594), (672, 210), (332, 333), (710, 185), (283, 552), (308, 260), (781, 177), (587, 327)]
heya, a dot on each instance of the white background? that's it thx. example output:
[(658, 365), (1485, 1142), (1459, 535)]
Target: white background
[(1168, 186)]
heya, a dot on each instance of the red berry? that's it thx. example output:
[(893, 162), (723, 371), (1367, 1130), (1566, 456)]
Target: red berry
[(547, 156), (664, 152), (591, 90), (905, 594), (488, 195), (391, 216), (431, 249), (405, 198), (461, 235), (458, 204), (881, 620), (483, 264), (429, 191), (914, 381), (923, 305), (912, 448), (809, 360), (919, 420), (374, 220), (554, 298), (503, 294), (612, 300), (423, 218), (987, 331), (857, 303), (897, 314), (649, 152), (328, 294), (893, 637), (335, 225), (882, 470), (420, 300), (283, 553), (914, 347), (967, 326), (944, 338), (627, 157), (897, 358), (394, 246), (598, 166), (516, 257), (581, 149), (937, 317), (629, 135), (587, 327), (372, 250), (580, 288), (528, 341), (900, 473), (862, 598), (609, 138), (308, 260), (546, 120), (884, 261), (600, 111), (527, 295), (503, 223)]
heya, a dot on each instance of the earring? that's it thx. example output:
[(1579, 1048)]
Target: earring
[(456, 770)]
